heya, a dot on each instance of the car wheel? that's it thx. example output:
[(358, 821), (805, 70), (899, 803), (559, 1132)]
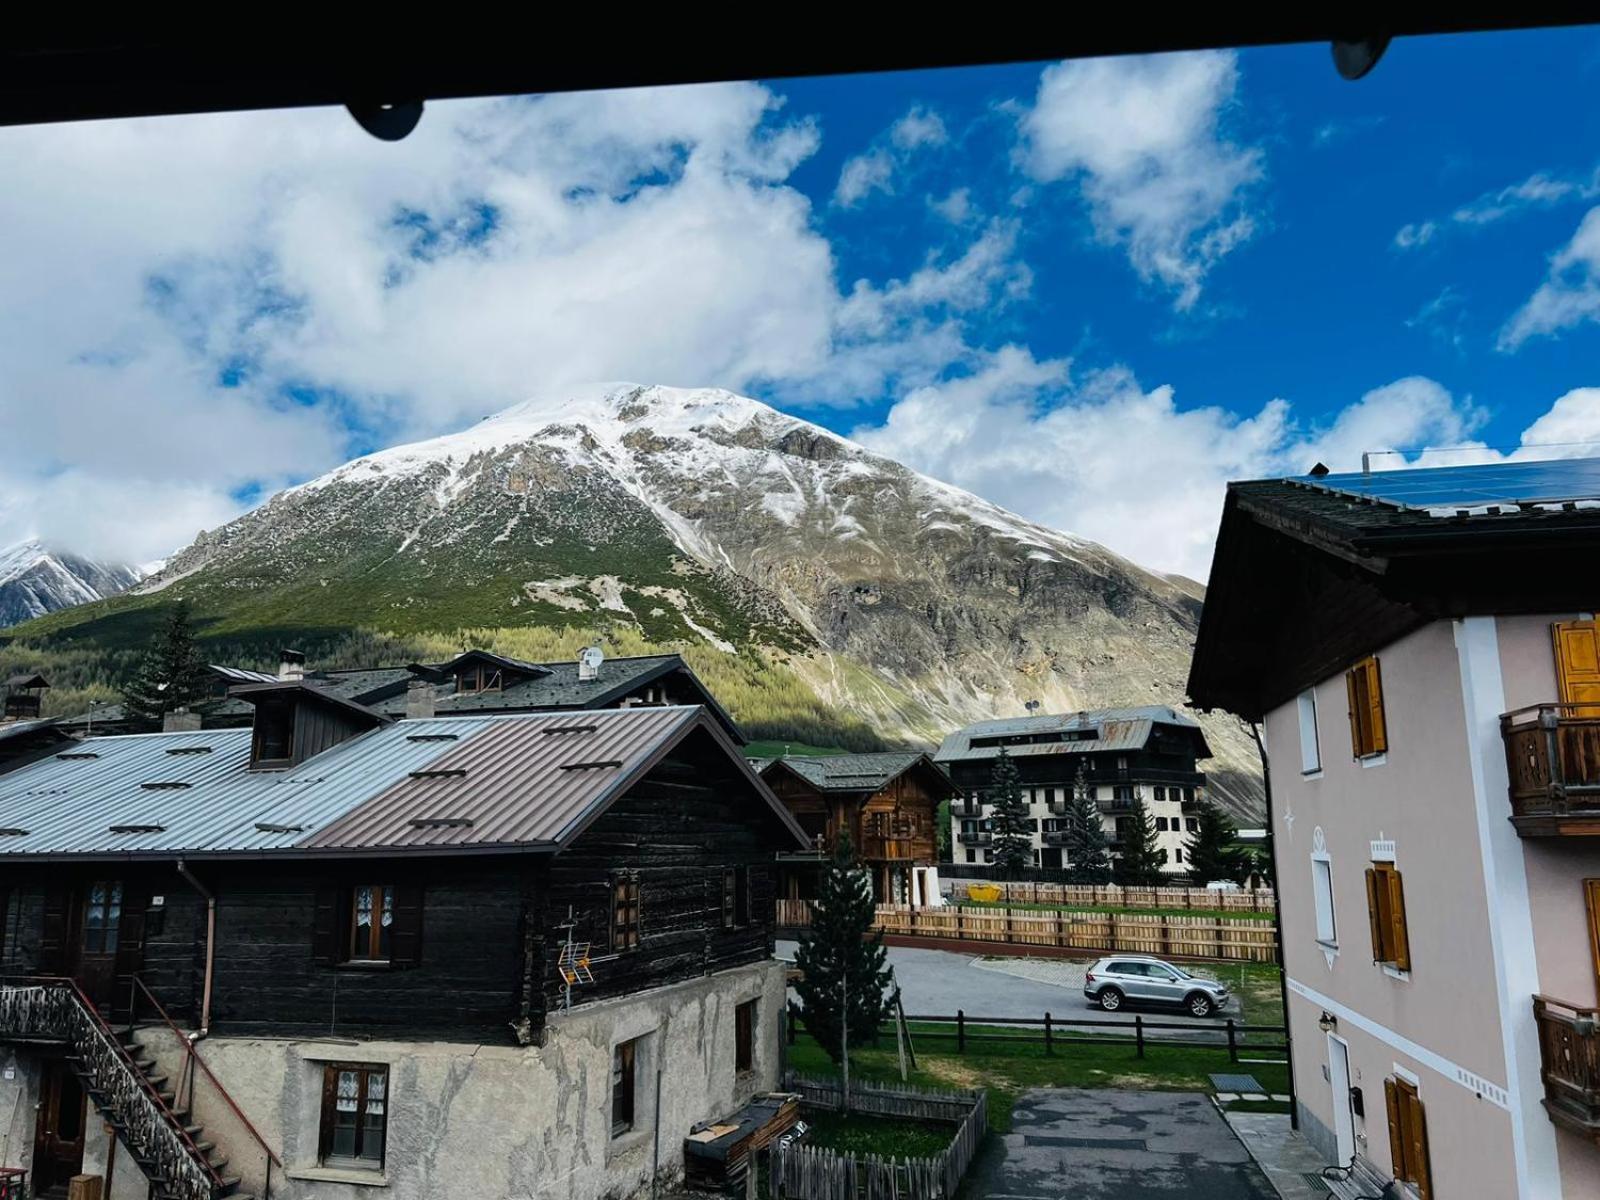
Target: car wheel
[(1199, 1005), (1110, 999)]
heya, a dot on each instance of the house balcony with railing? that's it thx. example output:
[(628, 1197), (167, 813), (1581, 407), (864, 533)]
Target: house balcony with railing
[(963, 806), (1569, 1064), (1054, 837), (976, 837), (1115, 804), (1553, 761)]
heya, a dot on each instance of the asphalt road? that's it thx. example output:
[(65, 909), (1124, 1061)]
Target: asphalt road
[(1096, 1144), (937, 983)]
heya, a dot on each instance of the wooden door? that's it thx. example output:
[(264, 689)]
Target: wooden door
[(1577, 647), (58, 1138), (97, 937)]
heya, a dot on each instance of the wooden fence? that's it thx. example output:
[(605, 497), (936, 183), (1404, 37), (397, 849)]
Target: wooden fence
[(1128, 933), (1262, 900), (801, 1172)]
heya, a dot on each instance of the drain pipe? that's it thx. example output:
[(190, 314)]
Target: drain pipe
[(211, 944), (1277, 924)]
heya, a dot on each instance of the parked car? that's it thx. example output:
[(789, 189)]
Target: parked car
[(1137, 979)]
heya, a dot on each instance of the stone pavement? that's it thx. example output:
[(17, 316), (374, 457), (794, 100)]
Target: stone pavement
[(1291, 1164)]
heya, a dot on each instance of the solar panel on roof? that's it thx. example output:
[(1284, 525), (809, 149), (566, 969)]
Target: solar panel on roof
[(1489, 485)]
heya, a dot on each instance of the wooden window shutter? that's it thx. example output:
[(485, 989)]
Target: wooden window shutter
[(1375, 913), (1377, 732), (1353, 689), (1399, 940), (1591, 899), (1397, 1141), (330, 1076), (327, 928), (53, 932), (405, 933), (1417, 1146)]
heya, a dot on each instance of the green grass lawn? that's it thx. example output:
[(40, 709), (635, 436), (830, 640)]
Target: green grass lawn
[(862, 1134), (1008, 1068), (773, 749)]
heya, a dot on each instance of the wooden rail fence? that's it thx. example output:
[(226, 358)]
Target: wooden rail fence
[(1262, 900), (801, 1172), (1127, 933)]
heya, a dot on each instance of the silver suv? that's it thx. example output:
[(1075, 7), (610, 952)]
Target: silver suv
[(1137, 979)]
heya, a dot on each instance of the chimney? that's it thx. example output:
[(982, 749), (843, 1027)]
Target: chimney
[(180, 720), (419, 699), (291, 665)]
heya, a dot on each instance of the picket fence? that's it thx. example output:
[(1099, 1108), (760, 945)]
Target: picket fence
[(1127, 933), (1111, 895), (801, 1172)]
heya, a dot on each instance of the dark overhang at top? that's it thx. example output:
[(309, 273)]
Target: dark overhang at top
[(136, 67), (1312, 573)]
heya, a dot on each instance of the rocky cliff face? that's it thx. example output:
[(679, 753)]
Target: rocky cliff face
[(35, 580), (698, 514)]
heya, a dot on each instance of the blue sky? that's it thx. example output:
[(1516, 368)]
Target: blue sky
[(1092, 292)]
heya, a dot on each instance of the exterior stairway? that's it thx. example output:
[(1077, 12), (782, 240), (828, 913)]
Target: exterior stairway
[(126, 1087)]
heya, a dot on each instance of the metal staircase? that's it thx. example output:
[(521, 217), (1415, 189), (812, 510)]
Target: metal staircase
[(125, 1086)]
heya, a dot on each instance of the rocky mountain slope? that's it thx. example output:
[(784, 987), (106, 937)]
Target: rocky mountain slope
[(35, 580), (706, 517)]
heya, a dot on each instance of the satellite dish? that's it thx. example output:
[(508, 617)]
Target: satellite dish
[(589, 660)]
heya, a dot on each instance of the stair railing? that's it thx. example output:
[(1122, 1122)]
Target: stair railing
[(57, 1008), (193, 1063)]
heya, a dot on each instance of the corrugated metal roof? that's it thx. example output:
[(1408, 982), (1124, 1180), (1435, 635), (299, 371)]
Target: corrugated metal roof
[(851, 772), (1114, 729), (527, 780)]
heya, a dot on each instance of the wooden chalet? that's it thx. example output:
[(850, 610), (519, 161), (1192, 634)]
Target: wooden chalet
[(889, 805), (401, 889)]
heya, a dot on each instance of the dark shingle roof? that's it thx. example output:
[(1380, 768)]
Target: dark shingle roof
[(850, 772)]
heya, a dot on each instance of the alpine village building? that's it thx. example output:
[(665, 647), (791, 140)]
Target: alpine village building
[(1148, 753), (1421, 648), (888, 803), (441, 956)]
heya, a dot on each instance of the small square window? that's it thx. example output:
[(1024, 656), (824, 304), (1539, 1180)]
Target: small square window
[(355, 1114)]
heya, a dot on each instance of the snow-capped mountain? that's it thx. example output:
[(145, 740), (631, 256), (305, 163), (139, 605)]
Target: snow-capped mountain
[(35, 580), (696, 515)]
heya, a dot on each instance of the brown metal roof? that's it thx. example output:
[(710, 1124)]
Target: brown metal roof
[(529, 781)]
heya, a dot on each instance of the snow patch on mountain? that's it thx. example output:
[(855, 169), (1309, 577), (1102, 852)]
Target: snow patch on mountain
[(35, 579)]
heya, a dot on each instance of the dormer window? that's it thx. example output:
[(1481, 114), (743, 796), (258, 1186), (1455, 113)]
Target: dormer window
[(479, 677), (273, 744)]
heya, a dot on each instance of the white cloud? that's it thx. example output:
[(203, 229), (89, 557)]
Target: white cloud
[(957, 207), (219, 300), (874, 170), (1409, 237), (1539, 190), (1143, 138), (1570, 294), (1125, 466)]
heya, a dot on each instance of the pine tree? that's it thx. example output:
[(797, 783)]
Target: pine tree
[(1141, 858), (1012, 847), (171, 675), (844, 982), (1088, 860), (1212, 851)]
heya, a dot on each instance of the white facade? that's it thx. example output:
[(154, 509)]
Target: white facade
[(1165, 803)]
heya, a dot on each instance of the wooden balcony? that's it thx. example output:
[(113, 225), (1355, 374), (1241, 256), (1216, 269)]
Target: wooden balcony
[(1569, 1064), (1553, 762), (892, 848)]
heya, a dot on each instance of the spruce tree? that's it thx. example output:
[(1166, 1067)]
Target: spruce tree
[(1088, 860), (1212, 852), (1012, 847), (844, 982), (171, 675), (1141, 858)]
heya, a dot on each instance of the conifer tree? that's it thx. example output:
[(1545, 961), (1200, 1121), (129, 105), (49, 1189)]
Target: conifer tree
[(1141, 857), (1012, 847), (844, 982), (1088, 860), (1212, 851), (171, 675)]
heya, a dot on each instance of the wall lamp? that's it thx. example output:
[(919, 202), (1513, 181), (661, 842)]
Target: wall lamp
[(1327, 1022)]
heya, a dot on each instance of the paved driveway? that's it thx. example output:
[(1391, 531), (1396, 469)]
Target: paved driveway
[(936, 983), (1093, 1144)]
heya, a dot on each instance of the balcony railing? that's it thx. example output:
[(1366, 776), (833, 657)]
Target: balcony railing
[(1117, 804), (980, 838), (1054, 837), (966, 808), (1553, 761), (1569, 1064)]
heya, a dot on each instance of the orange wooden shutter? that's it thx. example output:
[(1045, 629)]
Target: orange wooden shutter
[(1591, 899), (1577, 647), (1377, 731), (1375, 913), (1352, 689), (1397, 1141), (1399, 940), (1417, 1147)]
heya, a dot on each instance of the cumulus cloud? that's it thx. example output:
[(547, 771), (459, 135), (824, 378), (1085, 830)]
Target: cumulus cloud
[(1128, 467), (1143, 138), (1570, 293), (875, 170), (240, 301)]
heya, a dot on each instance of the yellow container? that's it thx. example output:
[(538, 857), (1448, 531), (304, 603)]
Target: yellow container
[(986, 893)]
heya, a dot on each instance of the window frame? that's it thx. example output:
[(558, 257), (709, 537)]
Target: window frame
[(271, 712), (330, 1093), (1369, 733), (627, 910), (383, 896), (109, 929), (1322, 901), (744, 1040), (624, 1088), (1310, 736), (1386, 913)]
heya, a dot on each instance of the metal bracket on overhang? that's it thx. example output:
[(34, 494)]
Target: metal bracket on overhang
[(1354, 57), (387, 122)]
